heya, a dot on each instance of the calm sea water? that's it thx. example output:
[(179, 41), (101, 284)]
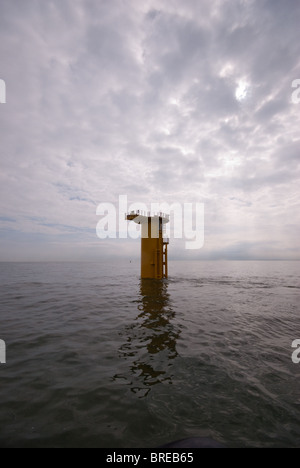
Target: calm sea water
[(98, 358)]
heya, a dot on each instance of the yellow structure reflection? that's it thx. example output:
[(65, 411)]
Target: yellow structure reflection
[(150, 342)]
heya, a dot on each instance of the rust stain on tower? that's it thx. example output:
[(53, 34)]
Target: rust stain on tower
[(154, 246)]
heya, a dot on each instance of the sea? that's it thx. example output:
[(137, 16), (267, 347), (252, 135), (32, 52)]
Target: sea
[(97, 357)]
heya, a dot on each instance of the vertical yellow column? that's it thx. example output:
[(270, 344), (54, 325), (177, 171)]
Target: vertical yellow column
[(151, 252), (153, 248)]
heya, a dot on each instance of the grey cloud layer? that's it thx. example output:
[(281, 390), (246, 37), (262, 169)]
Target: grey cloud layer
[(105, 98)]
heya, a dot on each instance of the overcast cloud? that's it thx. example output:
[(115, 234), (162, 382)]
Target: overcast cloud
[(162, 101)]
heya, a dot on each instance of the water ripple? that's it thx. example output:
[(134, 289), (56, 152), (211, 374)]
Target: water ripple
[(98, 358)]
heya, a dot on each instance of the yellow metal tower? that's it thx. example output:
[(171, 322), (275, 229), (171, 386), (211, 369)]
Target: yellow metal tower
[(154, 246)]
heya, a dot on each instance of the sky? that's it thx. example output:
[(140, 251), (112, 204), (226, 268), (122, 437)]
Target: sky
[(162, 101)]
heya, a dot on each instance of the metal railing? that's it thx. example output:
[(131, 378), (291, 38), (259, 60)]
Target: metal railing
[(148, 214)]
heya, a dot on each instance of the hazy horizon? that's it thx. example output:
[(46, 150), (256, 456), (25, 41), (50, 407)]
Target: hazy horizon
[(136, 260)]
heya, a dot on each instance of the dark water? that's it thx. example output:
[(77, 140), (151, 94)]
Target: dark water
[(97, 358)]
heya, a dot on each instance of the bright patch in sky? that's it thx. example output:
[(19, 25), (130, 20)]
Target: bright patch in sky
[(242, 91)]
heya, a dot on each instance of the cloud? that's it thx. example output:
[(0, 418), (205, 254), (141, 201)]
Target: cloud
[(140, 98)]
